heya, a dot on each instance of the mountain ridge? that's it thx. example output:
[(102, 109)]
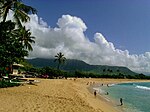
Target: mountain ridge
[(78, 65)]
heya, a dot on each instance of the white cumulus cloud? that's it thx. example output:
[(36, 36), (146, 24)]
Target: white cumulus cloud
[(69, 38)]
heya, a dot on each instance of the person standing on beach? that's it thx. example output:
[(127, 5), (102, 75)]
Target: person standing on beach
[(107, 85), (95, 93), (121, 102)]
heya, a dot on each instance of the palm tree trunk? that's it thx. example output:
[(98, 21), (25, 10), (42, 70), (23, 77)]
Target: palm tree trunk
[(58, 67)]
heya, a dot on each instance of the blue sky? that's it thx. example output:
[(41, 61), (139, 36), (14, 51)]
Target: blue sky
[(125, 23), (99, 32)]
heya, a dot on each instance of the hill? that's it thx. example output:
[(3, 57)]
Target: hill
[(78, 65)]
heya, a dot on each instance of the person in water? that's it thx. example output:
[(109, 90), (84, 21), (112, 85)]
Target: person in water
[(107, 93), (121, 102)]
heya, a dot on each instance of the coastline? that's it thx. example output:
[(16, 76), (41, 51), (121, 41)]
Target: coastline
[(58, 95), (104, 98), (101, 95), (98, 103)]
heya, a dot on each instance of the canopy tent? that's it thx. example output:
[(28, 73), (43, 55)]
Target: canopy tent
[(19, 65)]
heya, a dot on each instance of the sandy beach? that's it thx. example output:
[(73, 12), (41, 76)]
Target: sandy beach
[(56, 95)]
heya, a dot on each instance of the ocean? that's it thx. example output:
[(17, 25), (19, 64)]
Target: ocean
[(136, 96)]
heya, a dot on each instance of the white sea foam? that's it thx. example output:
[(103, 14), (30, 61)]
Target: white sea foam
[(143, 87), (99, 90), (112, 84)]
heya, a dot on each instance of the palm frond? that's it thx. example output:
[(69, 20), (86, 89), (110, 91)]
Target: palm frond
[(28, 9), (17, 20), (5, 12), (22, 15)]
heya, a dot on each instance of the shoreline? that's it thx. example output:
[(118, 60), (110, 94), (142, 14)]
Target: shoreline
[(105, 98), (107, 104), (101, 96)]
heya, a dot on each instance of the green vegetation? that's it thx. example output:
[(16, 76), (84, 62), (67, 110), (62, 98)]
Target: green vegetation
[(15, 38), (60, 59), (6, 83), (76, 68), (20, 11), (77, 65), (48, 72)]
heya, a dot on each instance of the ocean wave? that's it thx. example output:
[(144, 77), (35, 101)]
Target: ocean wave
[(111, 84), (99, 90), (143, 87)]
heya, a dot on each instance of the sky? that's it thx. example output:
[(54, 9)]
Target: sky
[(126, 23), (100, 32)]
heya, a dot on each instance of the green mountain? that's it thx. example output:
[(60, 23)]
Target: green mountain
[(78, 65)]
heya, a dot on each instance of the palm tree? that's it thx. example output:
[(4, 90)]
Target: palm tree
[(20, 14), (20, 10), (60, 59), (25, 37)]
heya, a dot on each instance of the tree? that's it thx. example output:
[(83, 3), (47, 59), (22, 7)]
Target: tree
[(25, 37), (11, 50), (60, 59), (104, 70), (19, 9), (14, 42), (20, 14), (118, 70)]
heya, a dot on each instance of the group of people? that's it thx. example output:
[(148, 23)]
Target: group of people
[(121, 100), (103, 84), (95, 92), (90, 83)]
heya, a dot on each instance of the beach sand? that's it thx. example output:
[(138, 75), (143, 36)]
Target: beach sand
[(56, 95)]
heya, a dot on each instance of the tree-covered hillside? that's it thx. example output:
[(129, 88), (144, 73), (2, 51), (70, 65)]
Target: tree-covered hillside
[(77, 65)]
